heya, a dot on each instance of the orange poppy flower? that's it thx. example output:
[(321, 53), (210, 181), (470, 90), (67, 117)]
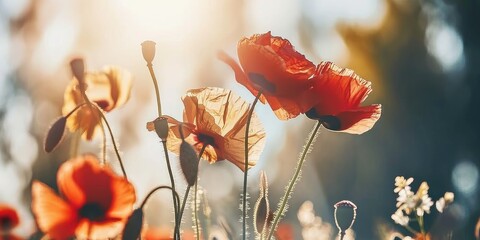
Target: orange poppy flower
[(108, 89), (339, 93), (96, 203), (217, 118), (271, 65), (8, 221)]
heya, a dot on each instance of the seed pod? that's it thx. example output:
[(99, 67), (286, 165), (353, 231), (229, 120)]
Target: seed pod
[(133, 227), (78, 69), (345, 214), (148, 51), (55, 134), (188, 163), (161, 127)]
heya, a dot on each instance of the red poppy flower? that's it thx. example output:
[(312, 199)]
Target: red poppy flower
[(109, 89), (217, 118), (96, 203), (8, 221), (271, 65), (340, 92)]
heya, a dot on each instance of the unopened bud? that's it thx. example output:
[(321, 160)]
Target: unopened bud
[(55, 134), (133, 228), (345, 214), (78, 69), (188, 162), (148, 51), (161, 127), (262, 206)]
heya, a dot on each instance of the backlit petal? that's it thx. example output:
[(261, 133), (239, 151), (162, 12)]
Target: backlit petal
[(359, 120), (54, 216), (338, 89)]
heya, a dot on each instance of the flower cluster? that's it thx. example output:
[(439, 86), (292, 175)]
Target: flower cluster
[(415, 205), (95, 203)]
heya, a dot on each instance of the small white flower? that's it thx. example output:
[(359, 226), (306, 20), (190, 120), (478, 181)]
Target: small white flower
[(399, 218), (424, 205), (444, 201), (402, 183), (408, 238), (406, 200)]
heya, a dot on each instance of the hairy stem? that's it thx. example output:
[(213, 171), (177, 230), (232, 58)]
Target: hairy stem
[(282, 206), (245, 173)]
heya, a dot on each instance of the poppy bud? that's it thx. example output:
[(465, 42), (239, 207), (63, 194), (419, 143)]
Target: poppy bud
[(148, 51), (78, 69), (345, 214), (161, 127), (262, 207), (188, 162), (133, 227), (55, 134)]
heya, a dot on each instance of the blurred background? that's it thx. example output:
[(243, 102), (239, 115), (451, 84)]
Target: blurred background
[(422, 58)]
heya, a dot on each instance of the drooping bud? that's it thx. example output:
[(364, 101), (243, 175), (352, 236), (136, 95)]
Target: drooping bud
[(133, 227), (78, 70), (55, 134), (148, 51), (262, 206), (188, 163), (345, 214)]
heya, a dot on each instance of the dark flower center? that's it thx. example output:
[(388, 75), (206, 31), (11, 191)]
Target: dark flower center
[(329, 121), (206, 139), (103, 104), (5, 223), (260, 81), (92, 211)]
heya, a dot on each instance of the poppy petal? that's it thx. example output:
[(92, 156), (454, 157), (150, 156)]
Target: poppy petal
[(99, 230), (82, 180), (277, 62), (338, 89), (239, 74), (53, 215), (359, 120)]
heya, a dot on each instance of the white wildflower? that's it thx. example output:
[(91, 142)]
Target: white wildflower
[(406, 200), (424, 205), (399, 218), (402, 183), (444, 201)]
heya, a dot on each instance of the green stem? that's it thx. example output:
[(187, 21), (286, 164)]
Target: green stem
[(172, 182), (104, 145), (157, 92), (410, 229), (293, 181), (420, 224), (113, 142), (186, 194), (197, 228), (245, 172), (154, 190)]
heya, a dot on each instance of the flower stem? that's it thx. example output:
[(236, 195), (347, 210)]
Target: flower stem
[(104, 145), (113, 142), (282, 206), (157, 92), (245, 172), (186, 194), (421, 225), (172, 182), (154, 190), (197, 228), (410, 229)]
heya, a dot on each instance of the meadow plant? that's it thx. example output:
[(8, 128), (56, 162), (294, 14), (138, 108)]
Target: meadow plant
[(217, 125)]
